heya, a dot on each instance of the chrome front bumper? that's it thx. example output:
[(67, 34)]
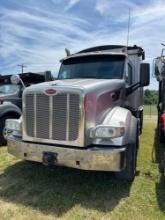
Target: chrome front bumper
[(94, 158)]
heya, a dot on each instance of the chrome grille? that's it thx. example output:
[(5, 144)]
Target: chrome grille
[(52, 117)]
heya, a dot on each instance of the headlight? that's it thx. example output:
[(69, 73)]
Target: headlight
[(13, 125), (107, 132)]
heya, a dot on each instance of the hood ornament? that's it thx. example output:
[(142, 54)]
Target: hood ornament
[(50, 91)]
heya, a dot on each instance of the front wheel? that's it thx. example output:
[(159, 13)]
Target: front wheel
[(141, 122), (129, 171)]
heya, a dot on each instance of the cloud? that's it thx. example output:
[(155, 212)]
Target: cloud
[(116, 8), (36, 38), (37, 33), (71, 4)]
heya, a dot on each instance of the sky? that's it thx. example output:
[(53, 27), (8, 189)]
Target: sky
[(36, 32)]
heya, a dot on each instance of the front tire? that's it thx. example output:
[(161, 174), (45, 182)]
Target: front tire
[(129, 172), (141, 122)]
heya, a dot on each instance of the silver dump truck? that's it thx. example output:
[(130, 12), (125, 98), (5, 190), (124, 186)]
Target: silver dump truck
[(89, 118)]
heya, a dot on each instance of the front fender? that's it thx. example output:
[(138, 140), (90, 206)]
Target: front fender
[(118, 117), (7, 108)]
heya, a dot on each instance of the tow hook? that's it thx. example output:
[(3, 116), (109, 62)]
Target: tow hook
[(49, 158)]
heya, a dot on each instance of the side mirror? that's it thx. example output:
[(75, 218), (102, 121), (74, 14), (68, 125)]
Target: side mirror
[(15, 79), (144, 74)]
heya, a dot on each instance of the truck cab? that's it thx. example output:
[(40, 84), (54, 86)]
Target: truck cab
[(90, 117), (11, 96)]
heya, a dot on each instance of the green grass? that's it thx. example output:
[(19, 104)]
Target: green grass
[(150, 110), (30, 191)]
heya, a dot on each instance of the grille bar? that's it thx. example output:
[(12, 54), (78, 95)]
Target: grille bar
[(74, 118), (68, 113), (35, 116), (50, 116), (42, 116), (59, 117), (29, 100)]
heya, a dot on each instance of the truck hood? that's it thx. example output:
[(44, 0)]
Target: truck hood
[(87, 85)]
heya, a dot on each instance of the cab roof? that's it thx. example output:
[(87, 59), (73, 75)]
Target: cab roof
[(109, 50)]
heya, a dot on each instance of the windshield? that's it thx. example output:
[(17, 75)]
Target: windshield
[(98, 66), (8, 89)]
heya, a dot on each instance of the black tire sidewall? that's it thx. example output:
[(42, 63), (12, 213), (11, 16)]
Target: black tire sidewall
[(161, 135), (129, 172), (3, 141)]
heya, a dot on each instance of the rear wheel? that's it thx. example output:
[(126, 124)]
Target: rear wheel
[(161, 135), (3, 140), (160, 132), (129, 171)]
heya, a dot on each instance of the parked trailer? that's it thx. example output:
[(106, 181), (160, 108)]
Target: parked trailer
[(90, 117), (11, 96)]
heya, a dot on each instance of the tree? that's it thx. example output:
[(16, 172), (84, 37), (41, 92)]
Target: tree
[(150, 97)]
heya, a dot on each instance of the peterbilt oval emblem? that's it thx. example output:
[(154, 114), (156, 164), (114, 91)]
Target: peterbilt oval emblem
[(50, 91)]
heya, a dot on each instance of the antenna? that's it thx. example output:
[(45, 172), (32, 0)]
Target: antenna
[(129, 19), (67, 52)]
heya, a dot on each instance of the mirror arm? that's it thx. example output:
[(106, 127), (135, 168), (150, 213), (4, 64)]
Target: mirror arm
[(132, 88), (22, 83)]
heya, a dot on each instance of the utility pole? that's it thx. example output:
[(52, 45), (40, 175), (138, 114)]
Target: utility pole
[(22, 67)]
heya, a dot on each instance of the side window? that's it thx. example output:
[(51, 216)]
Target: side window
[(129, 75)]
